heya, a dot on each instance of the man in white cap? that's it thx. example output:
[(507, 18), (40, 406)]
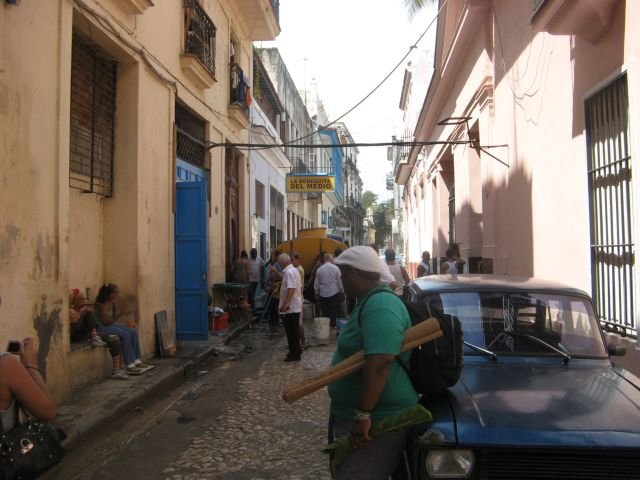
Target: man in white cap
[(381, 388), (290, 305)]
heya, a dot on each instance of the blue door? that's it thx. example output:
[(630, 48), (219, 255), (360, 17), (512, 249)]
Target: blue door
[(192, 292)]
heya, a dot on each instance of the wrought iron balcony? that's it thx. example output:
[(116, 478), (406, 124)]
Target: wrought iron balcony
[(200, 35)]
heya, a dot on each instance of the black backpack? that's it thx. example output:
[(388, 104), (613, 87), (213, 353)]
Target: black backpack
[(436, 365)]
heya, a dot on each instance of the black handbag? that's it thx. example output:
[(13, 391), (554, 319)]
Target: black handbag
[(29, 449)]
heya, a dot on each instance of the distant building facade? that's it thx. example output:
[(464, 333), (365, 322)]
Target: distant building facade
[(349, 217)]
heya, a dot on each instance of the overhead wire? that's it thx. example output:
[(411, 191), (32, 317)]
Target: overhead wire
[(382, 82), (264, 146)]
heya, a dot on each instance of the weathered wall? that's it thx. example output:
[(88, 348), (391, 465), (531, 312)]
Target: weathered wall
[(33, 206), (53, 238), (526, 91)]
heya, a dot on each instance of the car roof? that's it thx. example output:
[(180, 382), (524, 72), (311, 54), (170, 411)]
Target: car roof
[(484, 282)]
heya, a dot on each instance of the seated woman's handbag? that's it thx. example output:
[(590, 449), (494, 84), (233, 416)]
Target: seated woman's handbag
[(29, 449)]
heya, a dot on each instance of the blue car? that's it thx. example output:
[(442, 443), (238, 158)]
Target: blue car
[(538, 397)]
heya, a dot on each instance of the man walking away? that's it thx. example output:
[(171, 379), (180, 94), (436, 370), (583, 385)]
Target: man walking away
[(328, 288), (256, 264), (290, 305)]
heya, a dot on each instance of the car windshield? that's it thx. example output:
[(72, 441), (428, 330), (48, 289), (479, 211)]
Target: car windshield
[(540, 324)]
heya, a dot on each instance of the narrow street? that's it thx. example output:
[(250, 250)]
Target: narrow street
[(226, 422)]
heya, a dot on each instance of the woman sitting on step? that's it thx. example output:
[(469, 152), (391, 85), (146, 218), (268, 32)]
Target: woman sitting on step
[(84, 327), (107, 313)]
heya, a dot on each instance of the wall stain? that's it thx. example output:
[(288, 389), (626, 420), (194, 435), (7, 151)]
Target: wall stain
[(8, 241), (43, 262), (47, 325)]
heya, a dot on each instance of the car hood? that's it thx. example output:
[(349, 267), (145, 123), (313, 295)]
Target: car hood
[(545, 404)]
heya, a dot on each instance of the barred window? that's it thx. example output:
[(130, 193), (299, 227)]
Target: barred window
[(190, 145), (92, 123), (200, 35), (611, 206)]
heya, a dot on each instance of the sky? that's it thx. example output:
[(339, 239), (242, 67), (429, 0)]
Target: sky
[(346, 48)]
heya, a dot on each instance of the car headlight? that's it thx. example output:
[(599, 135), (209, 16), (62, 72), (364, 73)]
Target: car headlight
[(449, 463)]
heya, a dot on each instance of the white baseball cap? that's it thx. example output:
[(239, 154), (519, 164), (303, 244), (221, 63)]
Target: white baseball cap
[(360, 257)]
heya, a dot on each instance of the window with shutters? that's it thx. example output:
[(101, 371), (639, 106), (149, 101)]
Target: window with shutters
[(260, 199), (92, 122)]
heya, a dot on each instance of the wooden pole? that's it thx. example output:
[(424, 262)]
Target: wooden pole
[(417, 335)]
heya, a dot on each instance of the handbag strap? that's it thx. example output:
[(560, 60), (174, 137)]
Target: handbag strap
[(15, 408)]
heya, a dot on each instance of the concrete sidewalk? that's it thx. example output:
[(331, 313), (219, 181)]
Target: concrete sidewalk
[(87, 410)]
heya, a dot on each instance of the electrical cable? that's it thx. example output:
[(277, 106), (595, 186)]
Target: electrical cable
[(266, 146), (366, 97)]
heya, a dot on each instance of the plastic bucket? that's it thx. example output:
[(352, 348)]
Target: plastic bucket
[(219, 322), (341, 323), (323, 330)]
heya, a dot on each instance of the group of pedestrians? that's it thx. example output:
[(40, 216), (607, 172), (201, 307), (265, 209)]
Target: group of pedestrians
[(340, 284), (286, 283)]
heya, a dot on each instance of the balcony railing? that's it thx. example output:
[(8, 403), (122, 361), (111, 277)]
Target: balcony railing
[(200, 39), (300, 167), (240, 93)]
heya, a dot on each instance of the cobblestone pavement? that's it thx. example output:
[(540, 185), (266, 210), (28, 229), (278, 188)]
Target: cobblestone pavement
[(260, 436)]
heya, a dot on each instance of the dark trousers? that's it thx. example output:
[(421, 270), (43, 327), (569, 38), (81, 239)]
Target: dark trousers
[(113, 343), (274, 315), (329, 307), (290, 322), (81, 330), (253, 286)]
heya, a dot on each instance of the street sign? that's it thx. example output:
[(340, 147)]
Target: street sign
[(310, 183)]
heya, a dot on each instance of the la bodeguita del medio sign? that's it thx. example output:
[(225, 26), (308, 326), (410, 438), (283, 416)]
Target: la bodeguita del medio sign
[(310, 183)]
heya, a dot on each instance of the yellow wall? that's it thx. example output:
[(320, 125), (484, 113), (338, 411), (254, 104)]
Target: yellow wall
[(52, 237)]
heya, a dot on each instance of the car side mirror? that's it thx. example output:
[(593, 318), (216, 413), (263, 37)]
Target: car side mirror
[(616, 350)]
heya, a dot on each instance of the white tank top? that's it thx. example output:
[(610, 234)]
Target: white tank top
[(396, 271), (452, 266), (10, 415)]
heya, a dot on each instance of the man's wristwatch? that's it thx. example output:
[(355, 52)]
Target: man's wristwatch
[(362, 415)]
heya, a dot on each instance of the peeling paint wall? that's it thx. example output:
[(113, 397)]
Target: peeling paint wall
[(85, 242), (30, 195)]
